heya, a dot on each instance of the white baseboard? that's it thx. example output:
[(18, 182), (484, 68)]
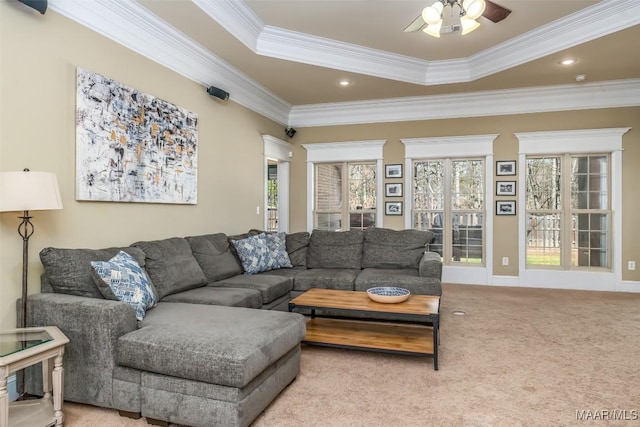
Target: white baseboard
[(514, 281)]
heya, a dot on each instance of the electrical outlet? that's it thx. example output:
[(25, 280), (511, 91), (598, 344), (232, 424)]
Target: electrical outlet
[(505, 260), (632, 265), (258, 210)]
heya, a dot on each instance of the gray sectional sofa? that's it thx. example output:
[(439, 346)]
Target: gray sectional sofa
[(219, 345)]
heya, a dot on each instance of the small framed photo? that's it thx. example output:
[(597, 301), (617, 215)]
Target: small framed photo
[(505, 188), (505, 207), (393, 208), (393, 171), (504, 168), (393, 190)]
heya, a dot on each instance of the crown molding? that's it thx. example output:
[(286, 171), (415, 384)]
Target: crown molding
[(300, 47), (618, 93), (238, 19), (133, 26), (590, 23)]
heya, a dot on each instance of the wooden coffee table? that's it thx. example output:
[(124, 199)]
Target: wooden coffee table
[(409, 328)]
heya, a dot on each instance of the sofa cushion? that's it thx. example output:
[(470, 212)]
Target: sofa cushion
[(404, 278), (326, 278), (171, 265), (214, 256), (330, 249), (297, 245), (125, 279), (69, 271), (385, 248), (213, 344), (271, 287), (254, 254), (277, 243), (209, 295)]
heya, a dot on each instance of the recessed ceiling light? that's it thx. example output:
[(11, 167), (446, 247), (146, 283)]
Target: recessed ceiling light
[(581, 77), (345, 83), (568, 61)]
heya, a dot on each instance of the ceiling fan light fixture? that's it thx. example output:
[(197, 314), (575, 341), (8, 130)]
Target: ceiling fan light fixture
[(433, 14), (433, 29), (468, 25), (473, 8)]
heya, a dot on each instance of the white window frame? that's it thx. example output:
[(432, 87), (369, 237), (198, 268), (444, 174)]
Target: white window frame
[(587, 141), (282, 152), (456, 147), (350, 151)]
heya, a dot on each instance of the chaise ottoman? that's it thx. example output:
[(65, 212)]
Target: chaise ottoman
[(207, 366)]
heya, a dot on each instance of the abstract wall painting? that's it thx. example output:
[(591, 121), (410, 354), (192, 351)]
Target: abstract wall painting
[(132, 146)]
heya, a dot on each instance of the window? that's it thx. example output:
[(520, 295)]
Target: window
[(568, 210), (345, 194), (344, 180), (449, 201), (272, 195)]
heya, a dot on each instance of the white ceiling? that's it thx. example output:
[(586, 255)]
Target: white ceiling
[(283, 57)]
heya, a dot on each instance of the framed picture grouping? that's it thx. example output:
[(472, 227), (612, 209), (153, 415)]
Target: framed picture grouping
[(505, 188), (393, 208), (393, 190), (506, 207), (505, 168), (393, 171)]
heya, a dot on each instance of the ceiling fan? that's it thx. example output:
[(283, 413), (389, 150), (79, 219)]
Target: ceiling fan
[(450, 16)]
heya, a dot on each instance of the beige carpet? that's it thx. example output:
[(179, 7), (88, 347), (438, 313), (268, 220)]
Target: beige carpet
[(519, 357)]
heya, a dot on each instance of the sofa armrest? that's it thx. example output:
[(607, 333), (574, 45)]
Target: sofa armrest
[(431, 265), (93, 327)]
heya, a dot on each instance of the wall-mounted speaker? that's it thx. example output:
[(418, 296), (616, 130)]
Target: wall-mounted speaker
[(218, 93), (39, 5)]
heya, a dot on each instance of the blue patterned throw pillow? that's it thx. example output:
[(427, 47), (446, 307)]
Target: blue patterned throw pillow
[(128, 281), (277, 243), (254, 254)]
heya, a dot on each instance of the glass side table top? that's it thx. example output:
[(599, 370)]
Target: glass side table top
[(15, 341)]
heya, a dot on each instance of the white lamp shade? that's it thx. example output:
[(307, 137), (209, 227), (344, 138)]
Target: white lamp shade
[(432, 14), (433, 29), (473, 8), (468, 25), (29, 191)]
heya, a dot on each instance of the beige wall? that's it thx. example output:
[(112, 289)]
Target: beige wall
[(505, 148), (37, 130)]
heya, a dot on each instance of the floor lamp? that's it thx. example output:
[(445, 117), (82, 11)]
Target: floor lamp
[(27, 191)]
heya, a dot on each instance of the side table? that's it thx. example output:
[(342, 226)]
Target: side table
[(20, 348)]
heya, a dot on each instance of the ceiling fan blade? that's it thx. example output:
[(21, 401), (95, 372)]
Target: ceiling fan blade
[(416, 25), (494, 12)]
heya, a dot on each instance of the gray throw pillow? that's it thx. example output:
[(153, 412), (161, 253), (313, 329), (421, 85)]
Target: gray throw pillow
[(297, 245), (214, 256), (171, 265), (69, 271)]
